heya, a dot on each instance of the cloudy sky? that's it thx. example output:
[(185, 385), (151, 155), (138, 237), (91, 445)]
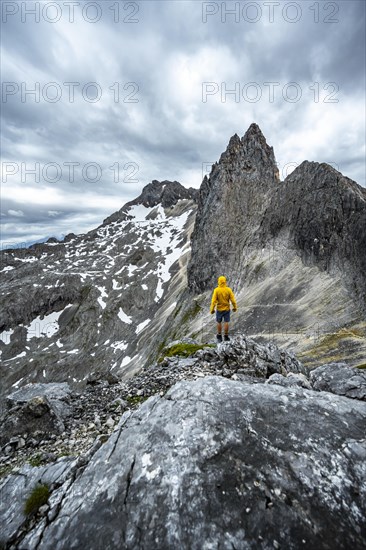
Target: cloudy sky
[(99, 98)]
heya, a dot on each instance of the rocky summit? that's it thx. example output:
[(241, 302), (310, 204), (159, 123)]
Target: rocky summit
[(123, 425)]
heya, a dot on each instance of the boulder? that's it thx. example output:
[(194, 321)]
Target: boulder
[(259, 360), (58, 395), (38, 418), (36, 409), (341, 379), (291, 380)]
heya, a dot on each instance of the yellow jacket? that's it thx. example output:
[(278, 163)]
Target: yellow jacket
[(222, 296)]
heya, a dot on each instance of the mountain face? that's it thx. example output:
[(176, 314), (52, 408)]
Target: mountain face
[(231, 205), (293, 251), (85, 304)]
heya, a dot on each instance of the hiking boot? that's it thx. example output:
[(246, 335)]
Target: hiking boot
[(219, 338), (226, 338)]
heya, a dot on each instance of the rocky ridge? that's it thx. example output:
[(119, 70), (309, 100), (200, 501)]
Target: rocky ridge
[(208, 451), (63, 415), (167, 193)]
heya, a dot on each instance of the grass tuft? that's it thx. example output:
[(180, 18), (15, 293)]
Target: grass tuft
[(181, 350), (136, 399), (38, 497)]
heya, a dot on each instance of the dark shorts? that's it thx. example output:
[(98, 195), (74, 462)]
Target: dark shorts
[(223, 316)]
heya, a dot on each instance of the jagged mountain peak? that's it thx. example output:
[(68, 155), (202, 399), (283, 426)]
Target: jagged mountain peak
[(253, 137), (254, 133), (251, 155), (268, 235)]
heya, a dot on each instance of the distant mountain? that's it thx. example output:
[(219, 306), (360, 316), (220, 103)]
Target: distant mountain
[(96, 301)]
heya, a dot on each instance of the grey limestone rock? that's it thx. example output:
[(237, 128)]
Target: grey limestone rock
[(231, 204), (16, 345), (340, 379), (95, 302), (221, 464), (54, 391), (328, 228), (16, 488), (260, 360), (289, 381), (37, 418), (320, 214), (58, 395), (37, 410)]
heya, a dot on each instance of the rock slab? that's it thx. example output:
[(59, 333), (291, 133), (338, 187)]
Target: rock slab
[(220, 464)]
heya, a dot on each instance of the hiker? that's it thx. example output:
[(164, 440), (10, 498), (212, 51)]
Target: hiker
[(221, 298)]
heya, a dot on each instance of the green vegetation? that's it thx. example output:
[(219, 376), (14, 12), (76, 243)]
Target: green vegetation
[(35, 460), (176, 311), (182, 350), (362, 366), (136, 399), (333, 347), (38, 497)]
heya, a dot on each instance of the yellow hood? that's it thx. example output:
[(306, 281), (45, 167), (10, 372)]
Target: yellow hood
[(222, 281)]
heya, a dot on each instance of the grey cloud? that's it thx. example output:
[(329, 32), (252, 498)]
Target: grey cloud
[(170, 132)]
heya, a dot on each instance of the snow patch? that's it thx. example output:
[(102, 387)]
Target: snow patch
[(5, 336), (101, 302), (115, 285), (131, 269), (139, 212), (17, 356), (167, 245), (119, 345), (123, 317), (103, 294), (16, 384), (141, 326), (47, 326), (125, 361)]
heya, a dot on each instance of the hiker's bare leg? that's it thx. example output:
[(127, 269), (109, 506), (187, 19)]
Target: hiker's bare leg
[(226, 328), (219, 328)]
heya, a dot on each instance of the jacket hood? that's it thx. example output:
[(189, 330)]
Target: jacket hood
[(222, 281)]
